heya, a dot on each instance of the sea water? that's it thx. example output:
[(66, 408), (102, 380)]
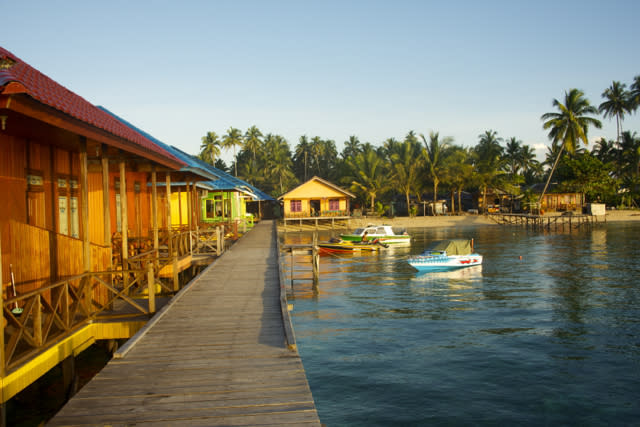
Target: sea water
[(546, 332)]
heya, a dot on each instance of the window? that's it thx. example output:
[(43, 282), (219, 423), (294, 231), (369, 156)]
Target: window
[(35, 200), (209, 211), (63, 216), (296, 206), (75, 219), (334, 204), (68, 213)]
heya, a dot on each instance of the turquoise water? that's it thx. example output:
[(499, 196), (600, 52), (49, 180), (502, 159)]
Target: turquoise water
[(549, 339)]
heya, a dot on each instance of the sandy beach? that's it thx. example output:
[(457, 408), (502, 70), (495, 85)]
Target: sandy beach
[(450, 221), (455, 220)]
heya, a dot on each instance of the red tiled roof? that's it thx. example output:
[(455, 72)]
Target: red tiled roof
[(48, 92)]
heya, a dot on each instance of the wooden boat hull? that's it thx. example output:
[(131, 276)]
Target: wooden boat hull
[(347, 247), (389, 240)]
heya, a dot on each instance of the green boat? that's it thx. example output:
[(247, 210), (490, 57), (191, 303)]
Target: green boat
[(382, 233)]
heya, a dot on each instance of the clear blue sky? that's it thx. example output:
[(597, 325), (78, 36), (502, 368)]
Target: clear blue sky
[(374, 69)]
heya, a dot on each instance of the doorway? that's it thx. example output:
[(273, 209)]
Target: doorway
[(315, 207)]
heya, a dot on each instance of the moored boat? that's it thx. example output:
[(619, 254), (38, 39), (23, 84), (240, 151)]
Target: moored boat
[(443, 255), (382, 233), (341, 246)]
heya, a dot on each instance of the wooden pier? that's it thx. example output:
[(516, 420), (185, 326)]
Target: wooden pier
[(566, 222), (299, 223), (222, 352)]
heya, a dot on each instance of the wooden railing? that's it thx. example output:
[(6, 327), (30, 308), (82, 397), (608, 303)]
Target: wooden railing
[(35, 255), (319, 215), (210, 240), (42, 312), (35, 320)]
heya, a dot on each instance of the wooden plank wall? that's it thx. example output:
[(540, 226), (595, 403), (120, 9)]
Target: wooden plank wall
[(32, 251), (28, 255), (138, 205), (96, 209), (13, 189)]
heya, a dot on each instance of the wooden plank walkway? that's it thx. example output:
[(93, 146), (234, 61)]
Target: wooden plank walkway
[(216, 355)]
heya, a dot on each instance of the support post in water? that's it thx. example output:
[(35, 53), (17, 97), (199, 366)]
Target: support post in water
[(315, 259)]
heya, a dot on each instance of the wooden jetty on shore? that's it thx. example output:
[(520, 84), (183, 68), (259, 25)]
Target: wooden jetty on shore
[(222, 352), (567, 222)]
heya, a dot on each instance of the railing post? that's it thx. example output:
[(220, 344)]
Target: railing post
[(174, 254), (37, 320), (124, 221), (65, 305), (2, 319), (218, 241), (151, 287)]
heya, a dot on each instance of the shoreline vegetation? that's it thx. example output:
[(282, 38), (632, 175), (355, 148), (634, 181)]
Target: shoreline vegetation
[(433, 167), (446, 221)]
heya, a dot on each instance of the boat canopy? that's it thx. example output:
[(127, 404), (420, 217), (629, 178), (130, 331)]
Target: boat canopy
[(452, 247)]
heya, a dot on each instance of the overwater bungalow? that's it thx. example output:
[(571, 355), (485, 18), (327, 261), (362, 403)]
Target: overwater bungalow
[(80, 202), (216, 199), (228, 200)]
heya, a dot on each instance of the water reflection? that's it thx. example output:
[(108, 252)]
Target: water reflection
[(544, 332), (461, 274)]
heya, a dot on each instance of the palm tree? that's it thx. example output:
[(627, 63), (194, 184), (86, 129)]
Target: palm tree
[(605, 150), (405, 168), (252, 173), (210, 148), (433, 154), (528, 159), (634, 93), (279, 163), (514, 158), (317, 148), (488, 147), (328, 159), (303, 151), (630, 154), (457, 172), (569, 125), (411, 137), (253, 141), (351, 147), (616, 104), (513, 155), (389, 146), (368, 174), (232, 139), (489, 162)]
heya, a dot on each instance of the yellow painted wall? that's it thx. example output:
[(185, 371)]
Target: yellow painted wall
[(179, 204), (313, 190)]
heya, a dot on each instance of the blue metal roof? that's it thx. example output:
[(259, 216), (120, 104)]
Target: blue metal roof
[(227, 182), (219, 180), (190, 165)]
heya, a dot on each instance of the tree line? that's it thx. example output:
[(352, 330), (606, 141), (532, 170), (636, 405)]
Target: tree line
[(427, 166)]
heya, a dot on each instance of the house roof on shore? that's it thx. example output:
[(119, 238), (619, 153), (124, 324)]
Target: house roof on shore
[(322, 181), (19, 78), (554, 188)]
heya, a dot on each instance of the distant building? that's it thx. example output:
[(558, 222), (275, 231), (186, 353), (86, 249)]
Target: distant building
[(316, 198)]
